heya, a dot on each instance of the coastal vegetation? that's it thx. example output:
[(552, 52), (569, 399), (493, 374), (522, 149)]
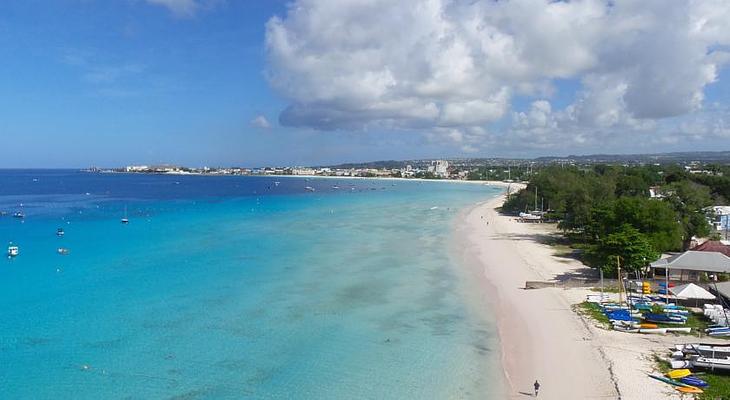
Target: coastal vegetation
[(593, 311), (626, 214)]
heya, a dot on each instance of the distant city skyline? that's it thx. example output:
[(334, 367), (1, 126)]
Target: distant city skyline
[(323, 82)]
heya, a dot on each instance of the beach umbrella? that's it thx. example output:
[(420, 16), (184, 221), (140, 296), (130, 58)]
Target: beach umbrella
[(691, 291)]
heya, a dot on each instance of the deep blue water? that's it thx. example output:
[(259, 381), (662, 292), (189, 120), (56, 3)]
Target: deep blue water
[(235, 287)]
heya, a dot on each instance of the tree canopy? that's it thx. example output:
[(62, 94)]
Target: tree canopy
[(626, 246), (606, 207)]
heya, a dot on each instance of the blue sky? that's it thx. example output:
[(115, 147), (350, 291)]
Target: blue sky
[(113, 83), (108, 83), (87, 82)]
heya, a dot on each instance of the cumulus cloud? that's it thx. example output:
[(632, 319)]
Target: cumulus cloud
[(260, 122), (458, 65)]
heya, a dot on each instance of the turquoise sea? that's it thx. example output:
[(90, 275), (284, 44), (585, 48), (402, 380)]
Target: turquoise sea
[(237, 288)]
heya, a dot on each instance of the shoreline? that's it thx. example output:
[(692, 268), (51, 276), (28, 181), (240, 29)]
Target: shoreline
[(540, 336), (472, 182)]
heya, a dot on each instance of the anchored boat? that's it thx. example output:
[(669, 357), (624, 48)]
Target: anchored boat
[(13, 250)]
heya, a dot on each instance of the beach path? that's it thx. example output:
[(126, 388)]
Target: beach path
[(541, 337)]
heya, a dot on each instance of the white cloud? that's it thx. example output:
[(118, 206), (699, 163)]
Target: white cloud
[(445, 65), (260, 122)]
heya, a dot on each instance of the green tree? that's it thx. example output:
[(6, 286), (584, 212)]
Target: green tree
[(631, 247), (631, 185), (689, 200), (653, 218)]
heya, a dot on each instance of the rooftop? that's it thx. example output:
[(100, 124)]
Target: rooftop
[(713, 245), (695, 261)]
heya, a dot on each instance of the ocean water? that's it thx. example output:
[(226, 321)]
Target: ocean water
[(237, 288)]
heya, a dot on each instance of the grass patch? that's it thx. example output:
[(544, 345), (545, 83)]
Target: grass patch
[(593, 311), (719, 386), (698, 323), (661, 365)]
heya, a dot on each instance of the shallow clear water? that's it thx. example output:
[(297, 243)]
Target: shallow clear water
[(234, 287)]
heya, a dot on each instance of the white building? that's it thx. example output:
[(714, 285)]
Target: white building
[(439, 168), (720, 217), (656, 193), (136, 168), (302, 171)]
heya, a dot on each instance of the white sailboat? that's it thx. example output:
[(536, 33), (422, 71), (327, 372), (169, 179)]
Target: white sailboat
[(13, 250)]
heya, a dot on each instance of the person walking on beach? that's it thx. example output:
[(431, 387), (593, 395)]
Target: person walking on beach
[(537, 387)]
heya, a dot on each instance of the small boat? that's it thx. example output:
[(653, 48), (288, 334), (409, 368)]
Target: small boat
[(717, 329), (13, 251), (690, 389), (706, 350), (619, 315), (125, 220), (665, 309), (309, 188), (679, 373), (18, 214), (335, 187), (625, 328), (659, 331), (694, 381), (681, 364), (597, 298), (679, 330), (60, 232), (712, 363), (665, 319), (63, 251), (276, 183), (667, 380)]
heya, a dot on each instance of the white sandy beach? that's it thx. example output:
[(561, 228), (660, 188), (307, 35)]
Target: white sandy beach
[(541, 337)]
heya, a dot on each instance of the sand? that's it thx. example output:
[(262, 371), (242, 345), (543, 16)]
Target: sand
[(541, 336)]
